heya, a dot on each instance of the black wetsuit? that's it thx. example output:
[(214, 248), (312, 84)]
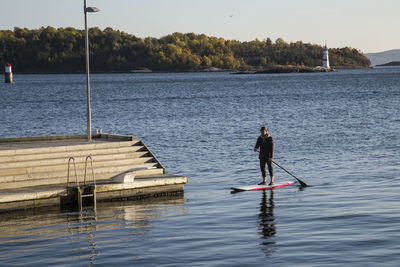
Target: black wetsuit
[(266, 145)]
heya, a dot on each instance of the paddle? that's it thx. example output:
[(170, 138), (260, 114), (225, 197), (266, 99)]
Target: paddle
[(303, 184)]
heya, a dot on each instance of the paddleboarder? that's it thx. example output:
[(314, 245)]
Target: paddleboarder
[(266, 144)]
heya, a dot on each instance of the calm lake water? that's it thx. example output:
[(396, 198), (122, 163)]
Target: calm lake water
[(338, 132)]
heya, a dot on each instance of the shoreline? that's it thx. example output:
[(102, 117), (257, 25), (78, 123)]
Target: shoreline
[(287, 69), (250, 71)]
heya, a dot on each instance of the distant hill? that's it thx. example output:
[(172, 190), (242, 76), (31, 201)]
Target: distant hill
[(383, 57), (62, 50), (390, 64)]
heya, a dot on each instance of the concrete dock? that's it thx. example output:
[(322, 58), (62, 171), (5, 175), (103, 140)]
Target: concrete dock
[(34, 170)]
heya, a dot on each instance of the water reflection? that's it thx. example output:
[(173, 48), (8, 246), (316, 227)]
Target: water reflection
[(267, 222), (85, 222), (78, 238)]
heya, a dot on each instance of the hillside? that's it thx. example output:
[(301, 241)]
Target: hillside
[(384, 57), (50, 50)]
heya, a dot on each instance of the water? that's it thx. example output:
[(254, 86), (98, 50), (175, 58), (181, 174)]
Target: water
[(338, 132)]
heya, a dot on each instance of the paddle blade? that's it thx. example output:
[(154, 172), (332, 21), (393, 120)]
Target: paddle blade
[(302, 184)]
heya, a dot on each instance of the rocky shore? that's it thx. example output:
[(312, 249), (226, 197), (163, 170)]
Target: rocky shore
[(285, 69)]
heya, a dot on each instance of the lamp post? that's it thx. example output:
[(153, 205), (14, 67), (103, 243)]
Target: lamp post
[(88, 111)]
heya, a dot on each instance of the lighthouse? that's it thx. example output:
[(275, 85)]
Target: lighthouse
[(8, 75), (325, 63)]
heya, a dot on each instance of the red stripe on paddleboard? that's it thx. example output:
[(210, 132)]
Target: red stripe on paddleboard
[(266, 187), (271, 186)]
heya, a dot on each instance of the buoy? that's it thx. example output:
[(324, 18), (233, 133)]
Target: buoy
[(8, 75)]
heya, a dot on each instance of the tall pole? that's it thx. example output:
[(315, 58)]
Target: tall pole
[(88, 111)]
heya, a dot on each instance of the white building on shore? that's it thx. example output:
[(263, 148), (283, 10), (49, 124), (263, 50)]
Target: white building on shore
[(325, 63)]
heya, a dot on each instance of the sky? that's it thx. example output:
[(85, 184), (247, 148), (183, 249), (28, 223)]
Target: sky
[(368, 25)]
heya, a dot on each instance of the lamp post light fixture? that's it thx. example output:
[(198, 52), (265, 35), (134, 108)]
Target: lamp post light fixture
[(87, 9)]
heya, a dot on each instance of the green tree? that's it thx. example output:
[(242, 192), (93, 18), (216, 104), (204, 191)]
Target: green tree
[(62, 50)]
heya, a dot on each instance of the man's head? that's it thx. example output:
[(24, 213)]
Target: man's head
[(264, 130)]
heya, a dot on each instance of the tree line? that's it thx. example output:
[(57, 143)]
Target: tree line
[(51, 50)]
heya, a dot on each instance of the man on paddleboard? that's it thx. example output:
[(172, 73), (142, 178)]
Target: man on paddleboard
[(266, 144)]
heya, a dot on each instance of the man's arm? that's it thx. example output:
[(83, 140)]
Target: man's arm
[(272, 148), (257, 144)]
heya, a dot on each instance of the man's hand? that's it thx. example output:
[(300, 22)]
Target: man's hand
[(255, 149)]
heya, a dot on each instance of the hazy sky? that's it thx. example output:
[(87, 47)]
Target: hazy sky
[(369, 25)]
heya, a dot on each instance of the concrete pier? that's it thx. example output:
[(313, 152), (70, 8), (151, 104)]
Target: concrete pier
[(33, 170)]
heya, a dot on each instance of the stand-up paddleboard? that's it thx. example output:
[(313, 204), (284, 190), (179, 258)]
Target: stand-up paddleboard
[(261, 187)]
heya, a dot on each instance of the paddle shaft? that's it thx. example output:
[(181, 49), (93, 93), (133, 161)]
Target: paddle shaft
[(303, 184)]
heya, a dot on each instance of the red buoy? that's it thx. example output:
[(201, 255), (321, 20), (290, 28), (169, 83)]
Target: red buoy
[(8, 75)]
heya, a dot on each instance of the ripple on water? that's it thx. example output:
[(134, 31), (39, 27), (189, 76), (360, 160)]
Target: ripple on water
[(335, 131)]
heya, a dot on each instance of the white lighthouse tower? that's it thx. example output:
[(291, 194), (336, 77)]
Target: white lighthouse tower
[(325, 63)]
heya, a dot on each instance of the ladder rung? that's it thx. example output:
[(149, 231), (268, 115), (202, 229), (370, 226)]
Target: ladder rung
[(85, 188)]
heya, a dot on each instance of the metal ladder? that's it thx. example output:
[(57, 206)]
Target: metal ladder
[(85, 190)]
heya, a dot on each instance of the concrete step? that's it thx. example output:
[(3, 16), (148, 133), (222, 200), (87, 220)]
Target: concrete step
[(63, 179), (63, 173), (77, 153), (67, 148), (80, 165), (17, 196), (37, 164), (64, 160)]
